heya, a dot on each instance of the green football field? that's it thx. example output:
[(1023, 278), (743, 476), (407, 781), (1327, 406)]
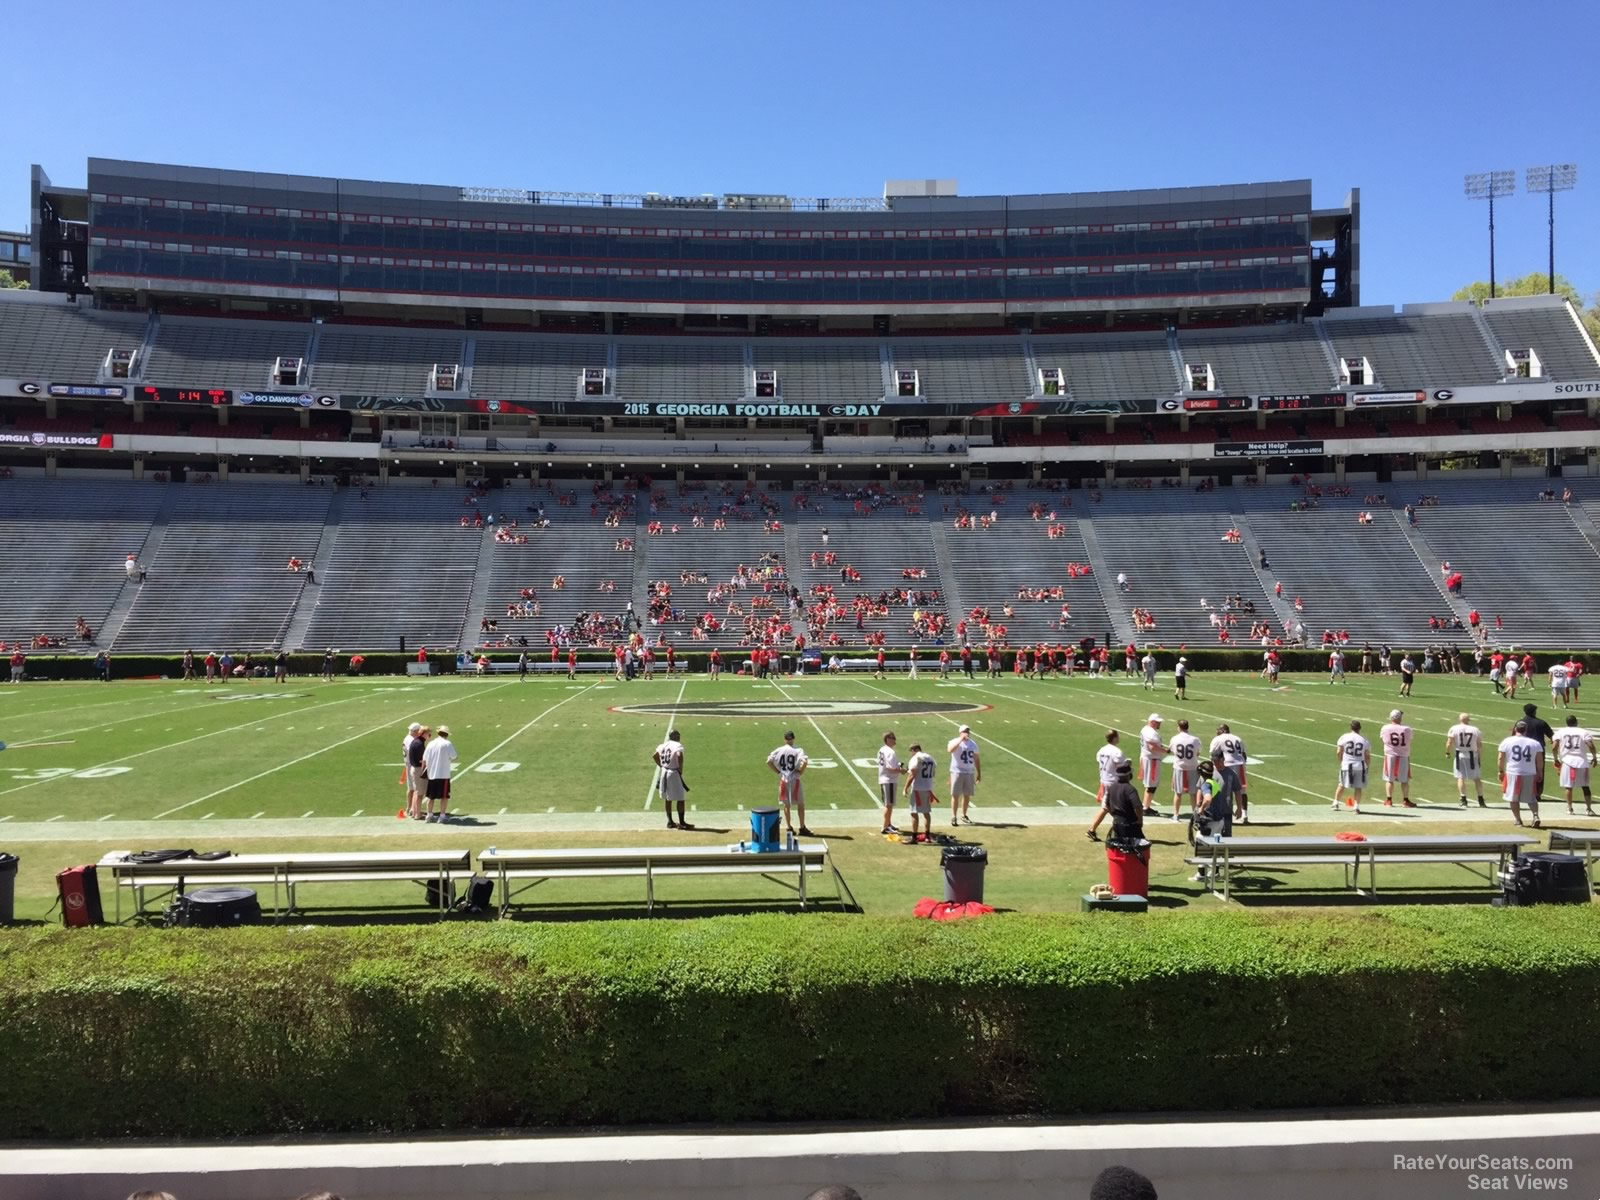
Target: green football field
[(257, 766)]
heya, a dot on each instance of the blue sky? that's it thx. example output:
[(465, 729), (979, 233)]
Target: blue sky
[(831, 98)]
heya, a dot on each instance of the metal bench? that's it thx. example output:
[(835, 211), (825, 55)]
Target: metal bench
[(287, 872), (1225, 855), (533, 867)]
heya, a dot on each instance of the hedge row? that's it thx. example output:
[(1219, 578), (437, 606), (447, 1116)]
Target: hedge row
[(140, 666), (779, 1018)]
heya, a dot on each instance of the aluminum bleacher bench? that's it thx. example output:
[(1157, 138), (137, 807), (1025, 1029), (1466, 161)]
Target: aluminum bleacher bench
[(286, 872), (1578, 841), (530, 868), (1226, 855)]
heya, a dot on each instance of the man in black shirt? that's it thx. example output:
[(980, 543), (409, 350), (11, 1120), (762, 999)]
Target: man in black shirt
[(1123, 805), (1539, 730)]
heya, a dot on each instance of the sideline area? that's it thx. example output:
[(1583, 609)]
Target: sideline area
[(1432, 1156)]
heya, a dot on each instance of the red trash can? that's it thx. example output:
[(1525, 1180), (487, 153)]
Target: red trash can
[(1128, 868)]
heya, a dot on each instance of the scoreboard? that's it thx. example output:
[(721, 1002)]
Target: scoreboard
[(1303, 400)]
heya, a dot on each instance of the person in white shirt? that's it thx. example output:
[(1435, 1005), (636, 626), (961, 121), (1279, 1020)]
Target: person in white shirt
[(1185, 748), (1151, 751), (1518, 762), (669, 758), (1395, 738), (1513, 667), (1354, 755), (1464, 744), (920, 771), (1230, 747), (1574, 750), (1558, 684), (436, 760), (416, 786), (1180, 679), (966, 772), (1148, 662), (1336, 667), (835, 667), (788, 762), (1106, 760), (889, 773)]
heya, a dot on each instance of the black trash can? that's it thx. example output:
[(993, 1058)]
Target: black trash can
[(963, 873), (8, 888), (215, 908)]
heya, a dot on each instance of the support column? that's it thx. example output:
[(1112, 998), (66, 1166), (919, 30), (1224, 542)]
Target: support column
[(1338, 468), (305, 417), (1111, 424), (1505, 467), (138, 469), (678, 425), (1111, 473), (461, 475), (383, 472), (138, 414), (1261, 419), (222, 415), (50, 407), (1183, 473), (50, 465), (1422, 468), (222, 470), (1261, 473)]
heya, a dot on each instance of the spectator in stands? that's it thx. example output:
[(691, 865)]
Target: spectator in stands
[(134, 570)]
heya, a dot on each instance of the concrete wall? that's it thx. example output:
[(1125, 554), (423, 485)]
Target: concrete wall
[(1189, 1158)]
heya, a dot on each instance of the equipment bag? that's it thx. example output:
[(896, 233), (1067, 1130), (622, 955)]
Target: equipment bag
[(79, 889), (478, 896)]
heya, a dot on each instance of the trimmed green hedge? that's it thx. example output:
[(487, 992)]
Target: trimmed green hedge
[(270, 1031)]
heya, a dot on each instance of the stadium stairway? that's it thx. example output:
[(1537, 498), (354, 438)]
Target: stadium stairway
[(1120, 620), (482, 597), (306, 608), (1429, 559), (955, 596), (1283, 611), (114, 620)]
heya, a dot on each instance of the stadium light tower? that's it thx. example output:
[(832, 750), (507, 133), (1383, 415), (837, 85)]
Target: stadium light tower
[(1488, 185), (1558, 177)]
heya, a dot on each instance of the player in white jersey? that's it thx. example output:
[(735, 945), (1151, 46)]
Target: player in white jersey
[(1395, 738), (1574, 750), (1106, 761), (788, 762), (1464, 745), (889, 773), (1151, 751), (1336, 667), (1185, 761), (920, 771), (1354, 755), (1558, 684), (966, 772), (669, 758), (1230, 746), (1148, 663), (1520, 756), (1512, 670)]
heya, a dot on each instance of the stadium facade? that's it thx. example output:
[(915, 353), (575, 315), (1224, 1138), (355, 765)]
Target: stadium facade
[(1212, 330)]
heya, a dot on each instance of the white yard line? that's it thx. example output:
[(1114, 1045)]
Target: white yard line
[(484, 757), (655, 773), (998, 746), (111, 762), (838, 756), (1100, 724), (382, 725)]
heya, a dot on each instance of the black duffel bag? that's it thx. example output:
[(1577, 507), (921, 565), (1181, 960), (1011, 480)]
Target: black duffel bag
[(214, 908)]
